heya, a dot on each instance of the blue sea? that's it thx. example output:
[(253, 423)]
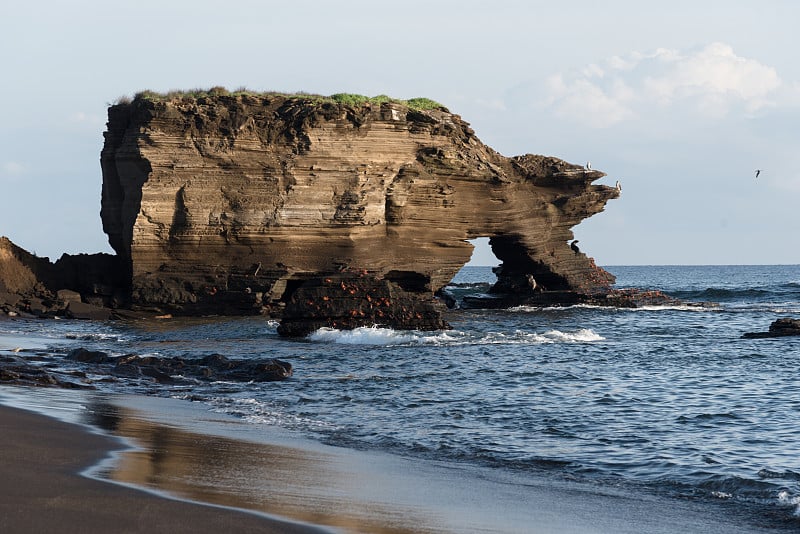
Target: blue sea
[(668, 401)]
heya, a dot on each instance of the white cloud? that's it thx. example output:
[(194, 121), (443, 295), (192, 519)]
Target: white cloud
[(13, 168), (587, 102), (712, 82), (494, 104), (81, 117), (11, 171)]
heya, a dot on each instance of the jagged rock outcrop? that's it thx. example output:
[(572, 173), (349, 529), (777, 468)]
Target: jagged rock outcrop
[(785, 326), (80, 286), (232, 204)]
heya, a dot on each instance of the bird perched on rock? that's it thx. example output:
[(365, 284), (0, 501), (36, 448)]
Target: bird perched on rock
[(619, 186), (588, 165), (574, 246)]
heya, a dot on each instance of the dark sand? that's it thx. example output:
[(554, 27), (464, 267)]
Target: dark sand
[(41, 490), (183, 450)]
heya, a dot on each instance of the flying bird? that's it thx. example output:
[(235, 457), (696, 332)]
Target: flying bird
[(758, 171)]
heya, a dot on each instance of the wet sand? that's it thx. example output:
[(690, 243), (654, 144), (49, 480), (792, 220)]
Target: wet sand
[(223, 461), (41, 490)]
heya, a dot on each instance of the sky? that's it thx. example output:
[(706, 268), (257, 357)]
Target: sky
[(680, 101)]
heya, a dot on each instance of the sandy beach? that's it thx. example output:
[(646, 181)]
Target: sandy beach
[(41, 490), (231, 466)]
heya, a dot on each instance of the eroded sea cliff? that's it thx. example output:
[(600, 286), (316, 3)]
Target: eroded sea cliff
[(330, 213)]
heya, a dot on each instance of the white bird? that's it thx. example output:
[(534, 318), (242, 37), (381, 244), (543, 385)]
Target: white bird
[(758, 171), (588, 165), (619, 186)]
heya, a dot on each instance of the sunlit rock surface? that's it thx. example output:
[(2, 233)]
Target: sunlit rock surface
[(231, 204)]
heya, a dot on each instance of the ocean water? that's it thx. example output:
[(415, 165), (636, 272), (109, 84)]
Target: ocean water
[(669, 401)]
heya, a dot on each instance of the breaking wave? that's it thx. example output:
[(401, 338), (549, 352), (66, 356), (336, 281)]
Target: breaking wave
[(376, 335), (666, 307)]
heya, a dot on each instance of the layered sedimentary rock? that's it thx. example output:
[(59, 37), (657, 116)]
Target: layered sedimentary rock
[(232, 204)]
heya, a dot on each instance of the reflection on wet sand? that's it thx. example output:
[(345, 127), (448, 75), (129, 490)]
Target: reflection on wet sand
[(279, 480)]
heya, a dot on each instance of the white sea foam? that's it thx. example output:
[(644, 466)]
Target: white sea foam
[(376, 335), (531, 309), (367, 335), (675, 307), (582, 335), (663, 307), (792, 500), (257, 411)]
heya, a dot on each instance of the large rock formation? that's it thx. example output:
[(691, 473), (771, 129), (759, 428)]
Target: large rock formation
[(235, 204)]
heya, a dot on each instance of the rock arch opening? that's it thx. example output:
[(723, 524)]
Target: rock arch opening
[(475, 279), (523, 270), (482, 254), (504, 270)]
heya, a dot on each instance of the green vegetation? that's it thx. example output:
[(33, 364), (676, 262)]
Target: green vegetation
[(423, 103), (347, 99)]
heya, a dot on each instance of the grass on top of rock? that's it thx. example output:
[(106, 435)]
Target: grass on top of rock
[(347, 99)]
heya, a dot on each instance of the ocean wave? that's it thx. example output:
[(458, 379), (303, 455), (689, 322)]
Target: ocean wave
[(787, 499), (371, 335), (376, 335), (770, 307), (96, 336), (666, 307), (726, 294), (582, 335), (256, 411)]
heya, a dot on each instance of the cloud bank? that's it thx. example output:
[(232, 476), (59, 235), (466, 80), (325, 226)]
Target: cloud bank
[(712, 82)]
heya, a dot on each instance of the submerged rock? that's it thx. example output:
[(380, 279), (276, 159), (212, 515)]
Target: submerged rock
[(18, 371), (208, 368), (781, 327)]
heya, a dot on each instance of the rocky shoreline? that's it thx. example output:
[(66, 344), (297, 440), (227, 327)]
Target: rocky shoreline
[(32, 368)]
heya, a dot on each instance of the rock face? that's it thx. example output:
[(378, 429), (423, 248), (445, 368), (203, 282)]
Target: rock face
[(246, 204)]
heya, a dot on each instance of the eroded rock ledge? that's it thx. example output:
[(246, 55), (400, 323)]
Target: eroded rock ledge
[(249, 204)]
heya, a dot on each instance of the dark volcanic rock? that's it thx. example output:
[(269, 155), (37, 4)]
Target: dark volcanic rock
[(18, 371), (212, 367), (780, 328), (88, 356), (617, 298), (347, 301), (81, 286)]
